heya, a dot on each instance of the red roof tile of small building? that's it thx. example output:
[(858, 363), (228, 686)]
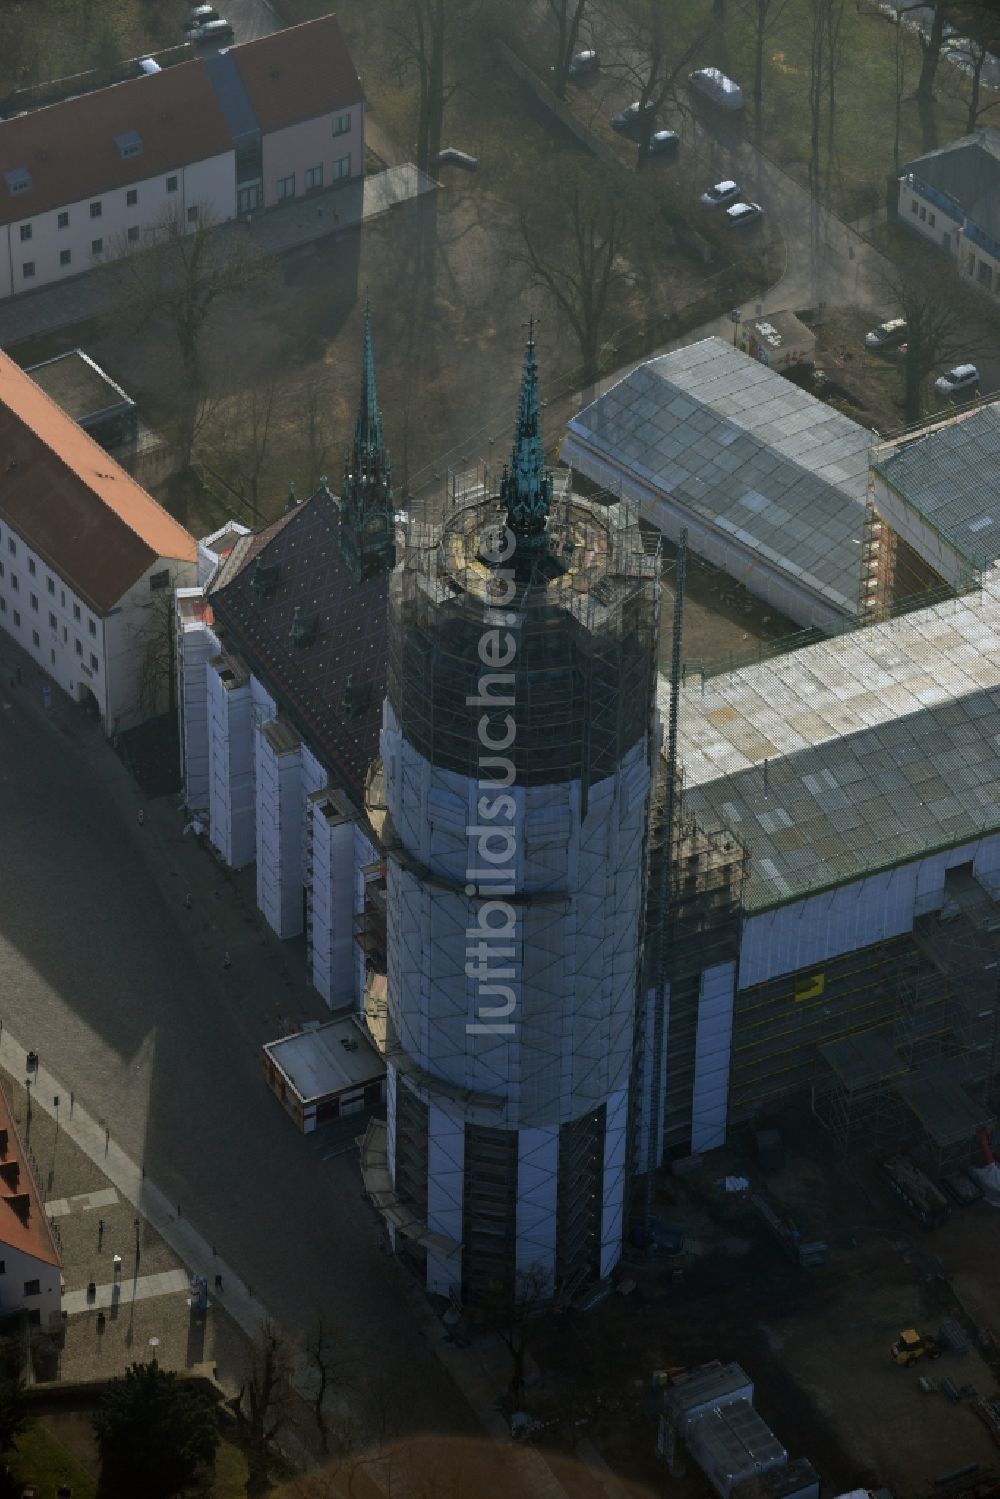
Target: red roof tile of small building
[(72, 504), (298, 74), (23, 1221)]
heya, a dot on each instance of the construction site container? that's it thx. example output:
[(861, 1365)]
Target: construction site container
[(732, 1443), (708, 1387), (927, 1204), (798, 1479)]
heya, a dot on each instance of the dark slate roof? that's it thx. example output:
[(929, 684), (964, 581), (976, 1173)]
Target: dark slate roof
[(308, 682), (968, 172)]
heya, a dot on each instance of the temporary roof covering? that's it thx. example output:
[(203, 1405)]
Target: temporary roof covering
[(743, 449)]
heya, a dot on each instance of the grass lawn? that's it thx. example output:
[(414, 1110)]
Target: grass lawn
[(39, 1458)]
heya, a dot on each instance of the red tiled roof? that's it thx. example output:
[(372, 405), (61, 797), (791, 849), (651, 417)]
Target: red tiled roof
[(23, 1222), (298, 74), (72, 504), (70, 150)]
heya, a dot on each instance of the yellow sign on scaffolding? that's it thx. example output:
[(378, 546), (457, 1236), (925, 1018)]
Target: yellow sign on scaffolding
[(810, 988)]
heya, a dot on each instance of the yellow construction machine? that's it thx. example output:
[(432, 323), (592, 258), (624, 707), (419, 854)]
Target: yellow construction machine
[(911, 1345)]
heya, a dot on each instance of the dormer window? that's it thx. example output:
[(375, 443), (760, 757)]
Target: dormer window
[(129, 144), (18, 180)]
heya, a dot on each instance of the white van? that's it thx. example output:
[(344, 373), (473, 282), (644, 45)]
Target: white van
[(717, 88)]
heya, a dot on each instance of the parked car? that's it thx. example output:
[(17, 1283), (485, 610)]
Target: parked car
[(886, 335), (628, 120), (744, 213), (212, 31), (148, 65), (582, 64), (663, 143), (964, 377), (713, 85), (199, 15), (721, 194)]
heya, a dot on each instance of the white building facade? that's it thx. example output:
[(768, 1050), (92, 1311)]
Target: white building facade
[(96, 615)]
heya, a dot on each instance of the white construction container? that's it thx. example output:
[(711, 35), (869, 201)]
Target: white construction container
[(732, 1443)]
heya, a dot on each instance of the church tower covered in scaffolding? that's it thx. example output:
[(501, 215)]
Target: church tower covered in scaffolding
[(519, 736)]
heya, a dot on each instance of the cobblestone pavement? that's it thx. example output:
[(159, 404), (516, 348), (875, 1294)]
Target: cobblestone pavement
[(122, 992)]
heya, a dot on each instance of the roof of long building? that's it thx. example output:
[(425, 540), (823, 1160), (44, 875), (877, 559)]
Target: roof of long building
[(331, 687), (72, 504), (855, 755), (748, 452), (72, 150), (23, 1221), (967, 170)]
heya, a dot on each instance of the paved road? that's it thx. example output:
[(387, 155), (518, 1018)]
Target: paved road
[(122, 992)]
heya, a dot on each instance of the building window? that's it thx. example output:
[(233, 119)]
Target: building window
[(923, 213), (25, 233), (931, 220), (985, 274), (3, 606), (1, 569), (52, 620), (96, 246), (79, 648), (313, 178), (12, 546), (76, 611), (159, 580), (65, 256), (3, 1267), (92, 627), (34, 602), (193, 215), (35, 640), (95, 210), (62, 597), (171, 184), (17, 620), (28, 269), (15, 582), (63, 221), (133, 234), (32, 1288), (286, 187), (341, 168), (914, 205), (50, 585), (31, 566), (132, 197), (52, 657), (64, 635), (341, 124), (94, 663)]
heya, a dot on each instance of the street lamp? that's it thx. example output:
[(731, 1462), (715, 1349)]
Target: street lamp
[(137, 1224), (737, 318), (27, 1089)]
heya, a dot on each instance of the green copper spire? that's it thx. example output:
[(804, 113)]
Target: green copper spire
[(525, 487), (366, 515), (368, 423)]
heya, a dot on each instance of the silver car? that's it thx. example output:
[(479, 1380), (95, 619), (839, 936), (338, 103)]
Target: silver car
[(963, 379), (721, 194)]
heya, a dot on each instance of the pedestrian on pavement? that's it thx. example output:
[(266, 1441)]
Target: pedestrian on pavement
[(227, 961), (142, 817), (218, 1283), (187, 901), (100, 1231)]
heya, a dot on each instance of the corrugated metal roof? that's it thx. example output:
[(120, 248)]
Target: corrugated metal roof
[(853, 755), (950, 474), (743, 448)]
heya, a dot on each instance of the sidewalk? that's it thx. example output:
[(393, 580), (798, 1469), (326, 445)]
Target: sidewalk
[(275, 231)]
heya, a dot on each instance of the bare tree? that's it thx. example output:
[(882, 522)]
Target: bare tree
[(263, 1405), (513, 1311), (330, 1369), (946, 318), (234, 450), (181, 278), (764, 16), (153, 646), (568, 16), (648, 62), (315, 407), (424, 30), (573, 250), (825, 28), (930, 47)]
